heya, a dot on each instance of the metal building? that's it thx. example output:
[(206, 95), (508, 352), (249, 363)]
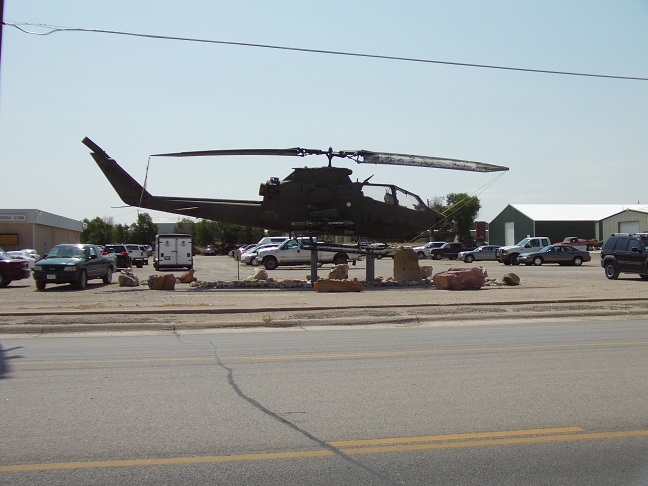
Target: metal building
[(557, 221), (37, 229)]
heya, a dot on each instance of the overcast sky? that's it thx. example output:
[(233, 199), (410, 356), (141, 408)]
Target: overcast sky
[(566, 139)]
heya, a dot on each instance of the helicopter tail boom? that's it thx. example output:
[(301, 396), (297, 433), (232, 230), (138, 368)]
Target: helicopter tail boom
[(129, 190)]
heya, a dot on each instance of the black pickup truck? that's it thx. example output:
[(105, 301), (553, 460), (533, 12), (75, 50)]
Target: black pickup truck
[(74, 264), (449, 250)]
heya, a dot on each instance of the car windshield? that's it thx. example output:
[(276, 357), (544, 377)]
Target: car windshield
[(4, 256), (67, 252)]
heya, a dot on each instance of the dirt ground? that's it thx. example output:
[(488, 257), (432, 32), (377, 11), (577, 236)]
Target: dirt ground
[(547, 290)]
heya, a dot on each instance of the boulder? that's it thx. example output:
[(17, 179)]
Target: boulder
[(328, 285), (339, 272), (511, 279), (426, 271), (459, 279), (187, 277), (406, 265), (162, 282), (128, 279), (259, 274)]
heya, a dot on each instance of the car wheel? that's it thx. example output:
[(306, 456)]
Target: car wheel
[(438, 256), (139, 264), (469, 259), (421, 255), (270, 263), (578, 261), (643, 276), (514, 260), (83, 281), (107, 279), (537, 261), (611, 271), (3, 280), (40, 284)]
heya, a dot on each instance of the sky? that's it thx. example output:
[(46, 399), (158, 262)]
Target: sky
[(566, 139)]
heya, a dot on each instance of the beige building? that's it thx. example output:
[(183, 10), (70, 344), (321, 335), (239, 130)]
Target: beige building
[(631, 220), (33, 228)]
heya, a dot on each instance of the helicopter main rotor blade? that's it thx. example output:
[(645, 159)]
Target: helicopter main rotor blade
[(295, 152), (424, 161)]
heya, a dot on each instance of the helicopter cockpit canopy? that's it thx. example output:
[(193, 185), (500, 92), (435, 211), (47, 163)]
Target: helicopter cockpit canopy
[(395, 195)]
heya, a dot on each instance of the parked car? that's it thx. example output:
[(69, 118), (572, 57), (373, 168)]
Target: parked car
[(449, 250), (424, 251), (210, 250), (32, 253), (74, 264), (508, 255), (121, 253), (561, 254), (481, 253), (625, 253), (12, 269), (24, 254), (249, 255), (137, 254)]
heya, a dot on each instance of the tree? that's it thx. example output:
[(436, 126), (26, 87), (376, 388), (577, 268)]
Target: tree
[(184, 226), (97, 231), (143, 231), (462, 211), (120, 234)]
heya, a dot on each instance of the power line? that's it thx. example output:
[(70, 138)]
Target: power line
[(54, 29)]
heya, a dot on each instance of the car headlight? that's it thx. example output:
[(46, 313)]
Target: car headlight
[(37, 267), (71, 268)]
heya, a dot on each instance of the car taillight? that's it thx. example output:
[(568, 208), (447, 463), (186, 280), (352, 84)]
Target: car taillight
[(124, 253), (104, 252)]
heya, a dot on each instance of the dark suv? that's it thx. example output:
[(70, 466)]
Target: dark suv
[(120, 251), (625, 253)]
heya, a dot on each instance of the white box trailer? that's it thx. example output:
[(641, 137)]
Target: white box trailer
[(173, 251)]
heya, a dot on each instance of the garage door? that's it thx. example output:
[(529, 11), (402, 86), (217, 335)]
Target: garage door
[(628, 226)]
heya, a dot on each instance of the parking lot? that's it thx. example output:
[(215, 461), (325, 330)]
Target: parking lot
[(544, 288)]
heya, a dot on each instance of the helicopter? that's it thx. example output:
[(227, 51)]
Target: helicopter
[(314, 201)]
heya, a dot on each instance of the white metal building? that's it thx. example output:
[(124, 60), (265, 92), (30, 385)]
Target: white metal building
[(37, 229)]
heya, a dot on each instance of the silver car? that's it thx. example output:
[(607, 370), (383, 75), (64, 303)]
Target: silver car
[(484, 252)]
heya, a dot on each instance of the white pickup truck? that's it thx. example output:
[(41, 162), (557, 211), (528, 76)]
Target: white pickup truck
[(508, 254), (296, 251)]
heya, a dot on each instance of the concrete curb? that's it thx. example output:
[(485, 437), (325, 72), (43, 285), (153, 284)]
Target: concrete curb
[(259, 318)]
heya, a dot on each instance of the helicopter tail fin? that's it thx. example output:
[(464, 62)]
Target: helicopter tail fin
[(128, 189)]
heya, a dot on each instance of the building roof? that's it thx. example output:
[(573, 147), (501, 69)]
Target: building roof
[(575, 212)]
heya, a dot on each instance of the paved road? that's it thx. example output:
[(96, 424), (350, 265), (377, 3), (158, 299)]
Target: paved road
[(536, 402)]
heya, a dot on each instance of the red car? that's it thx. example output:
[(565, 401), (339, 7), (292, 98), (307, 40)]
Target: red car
[(12, 269)]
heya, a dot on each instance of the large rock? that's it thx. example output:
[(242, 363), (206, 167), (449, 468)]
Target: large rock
[(339, 272), (459, 279), (162, 282), (259, 274), (187, 277), (426, 271), (328, 285), (128, 279), (511, 279), (406, 265)]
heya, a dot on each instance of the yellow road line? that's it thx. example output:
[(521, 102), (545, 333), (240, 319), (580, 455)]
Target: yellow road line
[(368, 354), (349, 451), (435, 438)]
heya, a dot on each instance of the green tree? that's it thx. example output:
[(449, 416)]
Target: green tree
[(184, 226), (120, 234), (97, 231), (143, 231), (462, 210)]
